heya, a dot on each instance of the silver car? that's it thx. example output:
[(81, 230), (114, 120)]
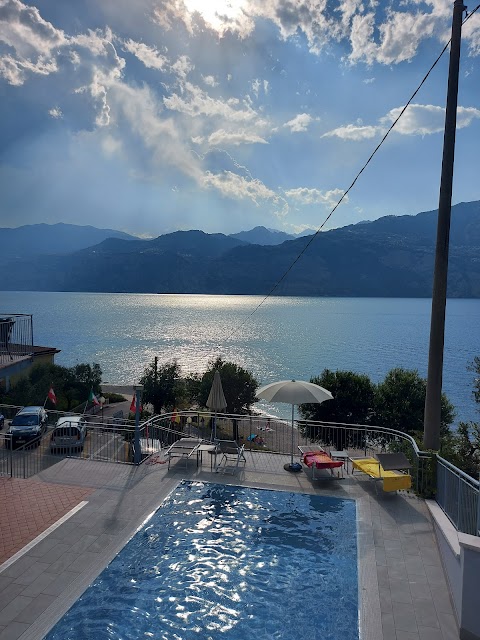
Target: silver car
[(69, 433)]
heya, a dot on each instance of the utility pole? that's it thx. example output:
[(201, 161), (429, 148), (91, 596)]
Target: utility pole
[(433, 400)]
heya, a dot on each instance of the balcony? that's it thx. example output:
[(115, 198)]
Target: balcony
[(16, 339)]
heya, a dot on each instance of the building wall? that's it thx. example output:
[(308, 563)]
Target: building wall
[(9, 376), (460, 555)]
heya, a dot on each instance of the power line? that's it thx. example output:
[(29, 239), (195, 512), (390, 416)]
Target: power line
[(277, 284)]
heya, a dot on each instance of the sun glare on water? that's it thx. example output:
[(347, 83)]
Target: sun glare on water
[(217, 13)]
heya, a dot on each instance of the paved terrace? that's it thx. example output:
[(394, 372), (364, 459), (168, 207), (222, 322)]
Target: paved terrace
[(402, 584)]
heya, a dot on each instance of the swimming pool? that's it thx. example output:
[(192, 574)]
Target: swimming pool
[(221, 561)]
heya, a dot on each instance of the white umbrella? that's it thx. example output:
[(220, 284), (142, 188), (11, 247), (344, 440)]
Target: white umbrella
[(294, 392), (216, 400)]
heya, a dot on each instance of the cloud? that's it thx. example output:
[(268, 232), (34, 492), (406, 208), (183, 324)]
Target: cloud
[(219, 161), (237, 187), (198, 15), (33, 42), (158, 134), (56, 113), (233, 180), (305, 196), (375, 34), (418, 119), (424, 119), (150, 56), (471, 33), (299, 123), (222, 137), (353, 132), (23, 29), (182, 67), (197, 102), (15, 71), (210, 81)]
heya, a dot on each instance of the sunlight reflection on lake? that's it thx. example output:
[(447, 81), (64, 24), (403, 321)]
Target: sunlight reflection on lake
[(286, 338)]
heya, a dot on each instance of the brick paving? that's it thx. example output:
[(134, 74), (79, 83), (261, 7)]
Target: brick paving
[(29, 507)]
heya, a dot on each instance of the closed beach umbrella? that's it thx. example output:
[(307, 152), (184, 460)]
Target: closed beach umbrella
[(294, 392), (216, 400)]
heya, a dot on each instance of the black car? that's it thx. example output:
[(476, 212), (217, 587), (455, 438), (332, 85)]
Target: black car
[(28, 425)]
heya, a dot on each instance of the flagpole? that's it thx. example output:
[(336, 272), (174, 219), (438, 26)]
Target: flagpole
[(86, 403), (137, 452)]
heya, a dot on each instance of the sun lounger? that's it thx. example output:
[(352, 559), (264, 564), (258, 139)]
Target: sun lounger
[(317, 458), (229, 451), (183, 448), (392, 478)]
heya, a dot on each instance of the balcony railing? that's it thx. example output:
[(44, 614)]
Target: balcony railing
[(16, 337), (459, 496)]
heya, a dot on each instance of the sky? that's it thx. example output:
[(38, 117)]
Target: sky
[(158, 115)]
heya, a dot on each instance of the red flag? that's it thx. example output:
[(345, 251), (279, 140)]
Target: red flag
[(133, 404), (51, 396)]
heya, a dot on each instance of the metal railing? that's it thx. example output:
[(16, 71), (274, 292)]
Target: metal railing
[(25, 461), (113, 440), (459, 496), (260, 433), (16, 337)]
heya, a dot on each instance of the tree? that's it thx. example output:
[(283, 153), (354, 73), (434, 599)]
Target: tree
[(161, 384), (88, 377), (239, 385), (400, 403), (71, 385), (475, 368), (353, 398), (462, 448)]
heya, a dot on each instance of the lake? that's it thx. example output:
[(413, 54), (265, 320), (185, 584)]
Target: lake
[(287, 337)]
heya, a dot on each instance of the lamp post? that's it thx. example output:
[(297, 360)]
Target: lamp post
[(138, 398)]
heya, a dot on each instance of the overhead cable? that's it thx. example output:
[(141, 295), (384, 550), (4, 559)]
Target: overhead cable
[(313, 237)]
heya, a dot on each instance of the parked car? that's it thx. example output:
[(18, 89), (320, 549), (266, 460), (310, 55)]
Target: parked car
[(28, 425), (69, 433)]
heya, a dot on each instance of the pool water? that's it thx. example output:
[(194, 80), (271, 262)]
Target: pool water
[(229, 562)]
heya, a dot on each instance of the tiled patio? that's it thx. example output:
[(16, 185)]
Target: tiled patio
[(403, 589), (29, 507)]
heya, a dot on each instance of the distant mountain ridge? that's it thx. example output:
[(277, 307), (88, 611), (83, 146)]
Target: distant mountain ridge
[(264, 236), (389, 257), (45, 239)]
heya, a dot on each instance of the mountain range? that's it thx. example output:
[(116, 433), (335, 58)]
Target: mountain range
[(389, 257)]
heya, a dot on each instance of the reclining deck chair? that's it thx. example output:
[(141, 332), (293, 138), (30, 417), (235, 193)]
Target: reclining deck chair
[(319, 459), (388, 468), (231, 452)]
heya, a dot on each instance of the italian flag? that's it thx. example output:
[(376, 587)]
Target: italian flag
[(93, 398)]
